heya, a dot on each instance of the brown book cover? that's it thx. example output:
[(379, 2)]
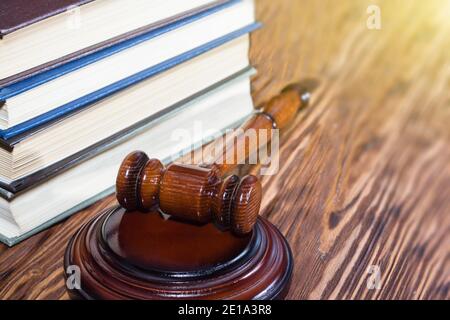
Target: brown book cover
[(16, 14)]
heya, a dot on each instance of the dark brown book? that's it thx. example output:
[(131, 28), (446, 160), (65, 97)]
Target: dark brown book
[(17, 14)]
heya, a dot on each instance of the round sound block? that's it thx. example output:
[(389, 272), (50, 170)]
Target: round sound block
[(135, 255)]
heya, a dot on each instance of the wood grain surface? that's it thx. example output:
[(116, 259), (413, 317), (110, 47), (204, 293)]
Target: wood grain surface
[(364, 176)]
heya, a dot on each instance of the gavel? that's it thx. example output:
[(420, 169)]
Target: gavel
[(207, 193)]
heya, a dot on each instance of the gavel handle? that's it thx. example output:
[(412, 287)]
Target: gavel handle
[(277, 113)]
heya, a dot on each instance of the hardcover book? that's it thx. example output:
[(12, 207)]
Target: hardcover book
[(41, 34)]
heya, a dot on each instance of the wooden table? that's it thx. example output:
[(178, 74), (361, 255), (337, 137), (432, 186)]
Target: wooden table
[(364, 181)]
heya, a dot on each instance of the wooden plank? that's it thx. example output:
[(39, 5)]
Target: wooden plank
[(364, 175)]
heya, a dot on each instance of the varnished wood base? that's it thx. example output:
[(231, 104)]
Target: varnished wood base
[(143, 256)]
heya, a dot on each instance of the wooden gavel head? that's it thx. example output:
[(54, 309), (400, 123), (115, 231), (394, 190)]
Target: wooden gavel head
[(189, 192)]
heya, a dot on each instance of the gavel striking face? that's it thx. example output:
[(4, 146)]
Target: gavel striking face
[(189, 192)]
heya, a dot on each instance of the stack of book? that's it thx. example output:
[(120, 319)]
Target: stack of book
[(83, 83)]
